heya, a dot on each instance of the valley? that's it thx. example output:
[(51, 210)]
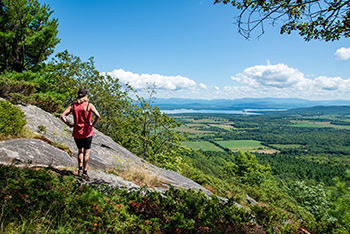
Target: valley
[(311, 146)]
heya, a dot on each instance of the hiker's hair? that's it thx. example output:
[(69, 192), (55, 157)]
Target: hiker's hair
[(82, 99)]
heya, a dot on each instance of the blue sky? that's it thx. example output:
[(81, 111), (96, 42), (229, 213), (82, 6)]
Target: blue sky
[(192, 49)]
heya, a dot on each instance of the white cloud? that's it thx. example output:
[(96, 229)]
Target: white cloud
[(342, 54), (265, 76), (283, 81), (141, 81), (331, 83), (203, 86), (258, 81)]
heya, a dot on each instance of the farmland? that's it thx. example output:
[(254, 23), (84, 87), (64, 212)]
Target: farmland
[(316, 146)]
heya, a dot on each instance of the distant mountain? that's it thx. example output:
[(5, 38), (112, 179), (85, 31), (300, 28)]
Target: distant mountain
[(243, 104), (316, 110)]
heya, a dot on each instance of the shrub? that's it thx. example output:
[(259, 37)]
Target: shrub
[(41, 100), (32, 88), (8, 86), (11, 120)]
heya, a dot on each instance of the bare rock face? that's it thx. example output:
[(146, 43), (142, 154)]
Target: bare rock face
[(105, 153), (34, 152)]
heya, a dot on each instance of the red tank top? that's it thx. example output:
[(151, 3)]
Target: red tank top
[(82, 121)]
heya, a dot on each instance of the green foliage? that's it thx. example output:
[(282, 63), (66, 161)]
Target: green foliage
[(326, 20), (40, 81), (44, 101), (214, 184), (275, 220), (340, 197), (31, 88), (245, 168), (187, 211), (8, 86), (153, 136), (68, 73), (312, 198), (11, 120), (56, 203), (27, 33), (47, 200)]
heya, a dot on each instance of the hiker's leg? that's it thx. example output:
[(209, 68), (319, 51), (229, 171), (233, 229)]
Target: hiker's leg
[(80, 157), (86, 159), (87, 148)]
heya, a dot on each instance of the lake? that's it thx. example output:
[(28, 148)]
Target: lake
[(236, 112)]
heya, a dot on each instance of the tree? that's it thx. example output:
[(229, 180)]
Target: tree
[(312, 198), (313, 19), (69, 73), (153, 134), (27, 34), (340, 197), (246, 168)]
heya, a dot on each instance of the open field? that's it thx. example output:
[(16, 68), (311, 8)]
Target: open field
[(190, 130), (289, 146), (242, 145), (195, 125), (203, 145), (223, 126)]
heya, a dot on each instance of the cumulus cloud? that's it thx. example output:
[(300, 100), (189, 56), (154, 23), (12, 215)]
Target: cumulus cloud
[(342, 54), (140, 81), (331, 83), (282, 81), (278, 76), (259, 81)]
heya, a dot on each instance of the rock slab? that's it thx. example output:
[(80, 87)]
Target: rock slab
[(105, 153)]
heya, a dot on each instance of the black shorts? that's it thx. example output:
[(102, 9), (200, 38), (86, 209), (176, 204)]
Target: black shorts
[(83, 142)]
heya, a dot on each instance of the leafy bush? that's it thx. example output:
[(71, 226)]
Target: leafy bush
[(32, 88), (43, 101), (47, 200), (11, 120), (8, 86), (340, 197), (57, 203), (312, 198), (35, 201)]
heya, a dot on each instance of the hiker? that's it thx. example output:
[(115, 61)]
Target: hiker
[(82, 128)]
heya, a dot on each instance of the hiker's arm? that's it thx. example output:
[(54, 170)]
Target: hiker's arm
[(64, 115), (97, 115)]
